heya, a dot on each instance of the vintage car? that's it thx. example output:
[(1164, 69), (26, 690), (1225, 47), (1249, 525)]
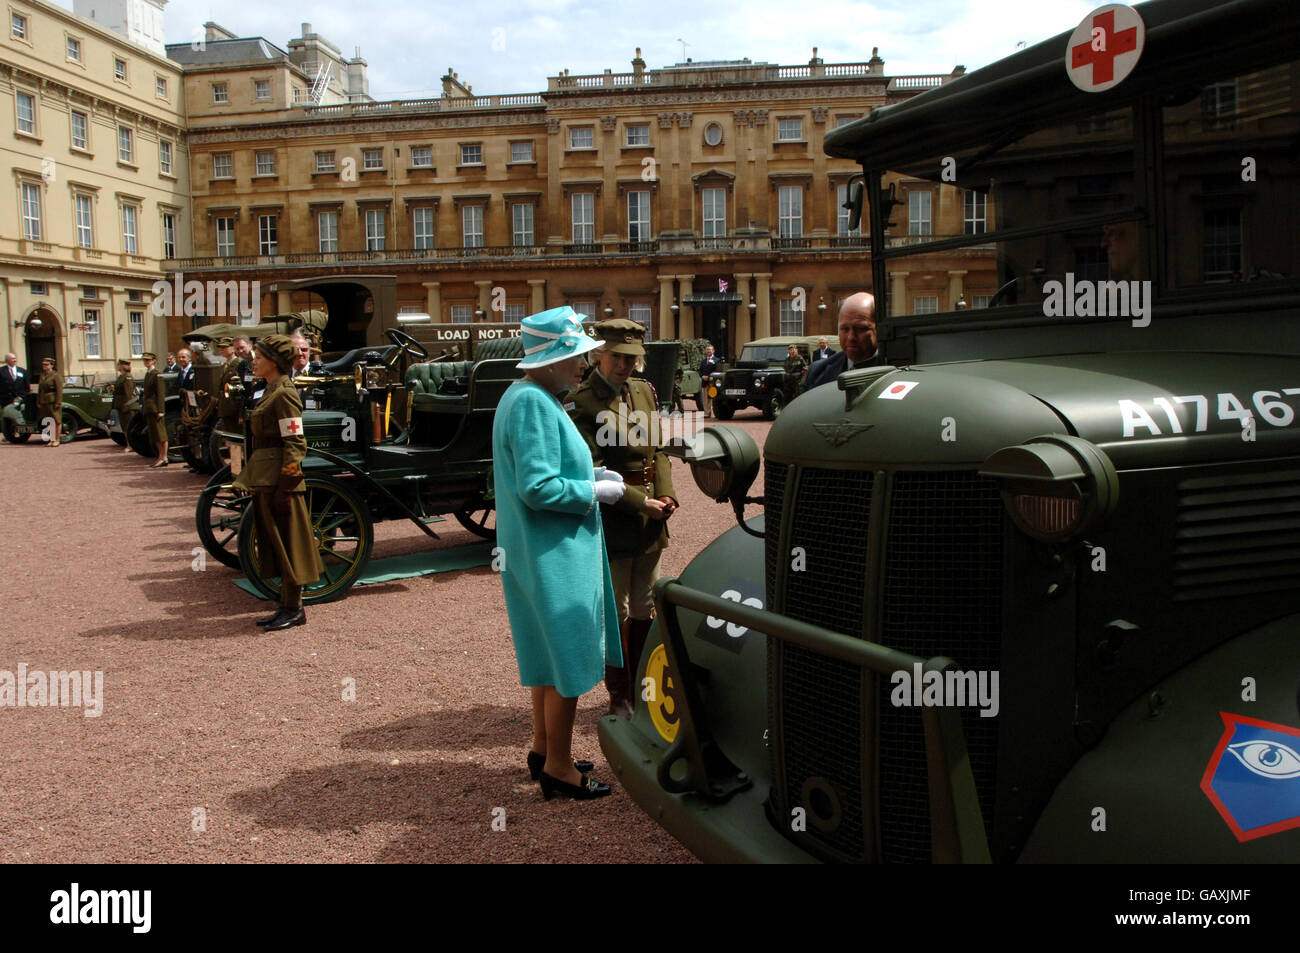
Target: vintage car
[(416, 443), (757, 378), (84, 408)]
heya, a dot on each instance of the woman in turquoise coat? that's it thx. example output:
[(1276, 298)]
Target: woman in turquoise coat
[(558, 591)]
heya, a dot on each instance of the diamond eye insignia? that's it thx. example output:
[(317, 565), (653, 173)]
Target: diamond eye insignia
[(1267, 759)]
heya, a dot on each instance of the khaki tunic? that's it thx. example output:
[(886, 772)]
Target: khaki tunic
[(153, 401), (614, 430), (124, 399), (228, 407), (276, 459), (49, 397), (794, 372)]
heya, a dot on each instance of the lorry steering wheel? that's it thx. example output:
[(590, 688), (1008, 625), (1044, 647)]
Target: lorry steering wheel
[(407, 344)]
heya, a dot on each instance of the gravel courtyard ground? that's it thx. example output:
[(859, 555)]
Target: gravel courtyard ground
[(218, 743)]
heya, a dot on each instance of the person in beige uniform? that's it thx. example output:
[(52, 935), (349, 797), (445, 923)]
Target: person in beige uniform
[(273, 475), (230, 389), (618, 418), (123, 398), (153, 405), (49, 398)]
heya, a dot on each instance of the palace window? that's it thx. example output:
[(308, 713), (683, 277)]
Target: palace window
[(327, 231)]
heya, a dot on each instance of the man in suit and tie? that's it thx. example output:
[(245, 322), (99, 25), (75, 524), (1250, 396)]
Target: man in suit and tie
[(171, 367), (14, 382), (708, 366), (301, 354), (857, 340), (823, 350), (185, 369)]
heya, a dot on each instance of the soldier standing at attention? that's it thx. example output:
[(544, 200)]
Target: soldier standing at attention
[(618, 417), (229, 391), (795, 366), (49, 398), (123, 397), (153, 404), (286, 544)]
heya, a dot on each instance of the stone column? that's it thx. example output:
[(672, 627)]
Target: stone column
[(898, 294), (485, 300), (537, 290), (743, 318), (433, 300), (956, 287), (687, 326), (763, 298), (667, 326)]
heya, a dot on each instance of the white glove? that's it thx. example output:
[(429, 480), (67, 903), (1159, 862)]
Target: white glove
[(605, 473), (609, 491)]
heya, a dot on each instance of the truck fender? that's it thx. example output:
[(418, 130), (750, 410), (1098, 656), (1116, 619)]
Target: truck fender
[(1143, 795)]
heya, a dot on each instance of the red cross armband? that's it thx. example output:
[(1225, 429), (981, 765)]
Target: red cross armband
[(290, 426)]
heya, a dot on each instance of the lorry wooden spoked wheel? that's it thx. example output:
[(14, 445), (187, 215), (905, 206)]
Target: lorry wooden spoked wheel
[(217, 516), (481, 522), (345, 538)]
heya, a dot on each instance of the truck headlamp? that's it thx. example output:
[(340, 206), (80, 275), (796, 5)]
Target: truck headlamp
[(1055, 487), (723, 461)]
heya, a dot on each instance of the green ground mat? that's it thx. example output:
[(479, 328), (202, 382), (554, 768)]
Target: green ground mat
[(412, 564)]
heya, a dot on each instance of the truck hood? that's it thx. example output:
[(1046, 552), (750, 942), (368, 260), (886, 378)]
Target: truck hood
[(1142, 408)]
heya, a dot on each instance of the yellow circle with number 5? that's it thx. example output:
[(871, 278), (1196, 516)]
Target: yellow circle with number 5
[(656, 691)]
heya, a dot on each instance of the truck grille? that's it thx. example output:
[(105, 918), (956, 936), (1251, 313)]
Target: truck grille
[(942, 597)]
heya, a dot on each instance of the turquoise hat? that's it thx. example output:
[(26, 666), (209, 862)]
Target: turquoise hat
[(554, 335)]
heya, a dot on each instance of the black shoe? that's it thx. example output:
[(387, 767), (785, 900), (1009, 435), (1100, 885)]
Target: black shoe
[(588, 790), (271, 618), (287, 620), (538, 761)]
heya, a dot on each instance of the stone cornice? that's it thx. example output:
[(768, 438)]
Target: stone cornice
[(697, 96), (324, 128)]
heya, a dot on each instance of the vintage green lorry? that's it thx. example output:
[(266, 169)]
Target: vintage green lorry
[(1031, 592)]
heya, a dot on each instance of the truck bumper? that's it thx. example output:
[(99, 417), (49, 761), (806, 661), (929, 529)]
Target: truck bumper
[(736, 831)]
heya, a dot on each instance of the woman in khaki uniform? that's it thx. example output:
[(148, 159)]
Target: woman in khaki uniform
[(123, 398), (49, 398), (273, 475), (230, 390), (153, 406)]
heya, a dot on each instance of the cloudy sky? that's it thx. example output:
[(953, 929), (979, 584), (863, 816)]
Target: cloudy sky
[(511, 46)]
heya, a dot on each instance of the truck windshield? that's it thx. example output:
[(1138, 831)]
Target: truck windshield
[(1074, 202), (766, 352)]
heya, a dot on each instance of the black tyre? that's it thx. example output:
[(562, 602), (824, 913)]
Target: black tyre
[(137, 437), (723, 410), (480, 522), (7, 429), (217, 516), (775, 404), (345, 537), (70, 426)]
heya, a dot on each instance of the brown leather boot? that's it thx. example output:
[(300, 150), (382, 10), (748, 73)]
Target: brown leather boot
[(616, 681)]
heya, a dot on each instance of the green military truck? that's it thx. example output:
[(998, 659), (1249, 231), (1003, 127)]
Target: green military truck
[(1031, 592), (757, 378)]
